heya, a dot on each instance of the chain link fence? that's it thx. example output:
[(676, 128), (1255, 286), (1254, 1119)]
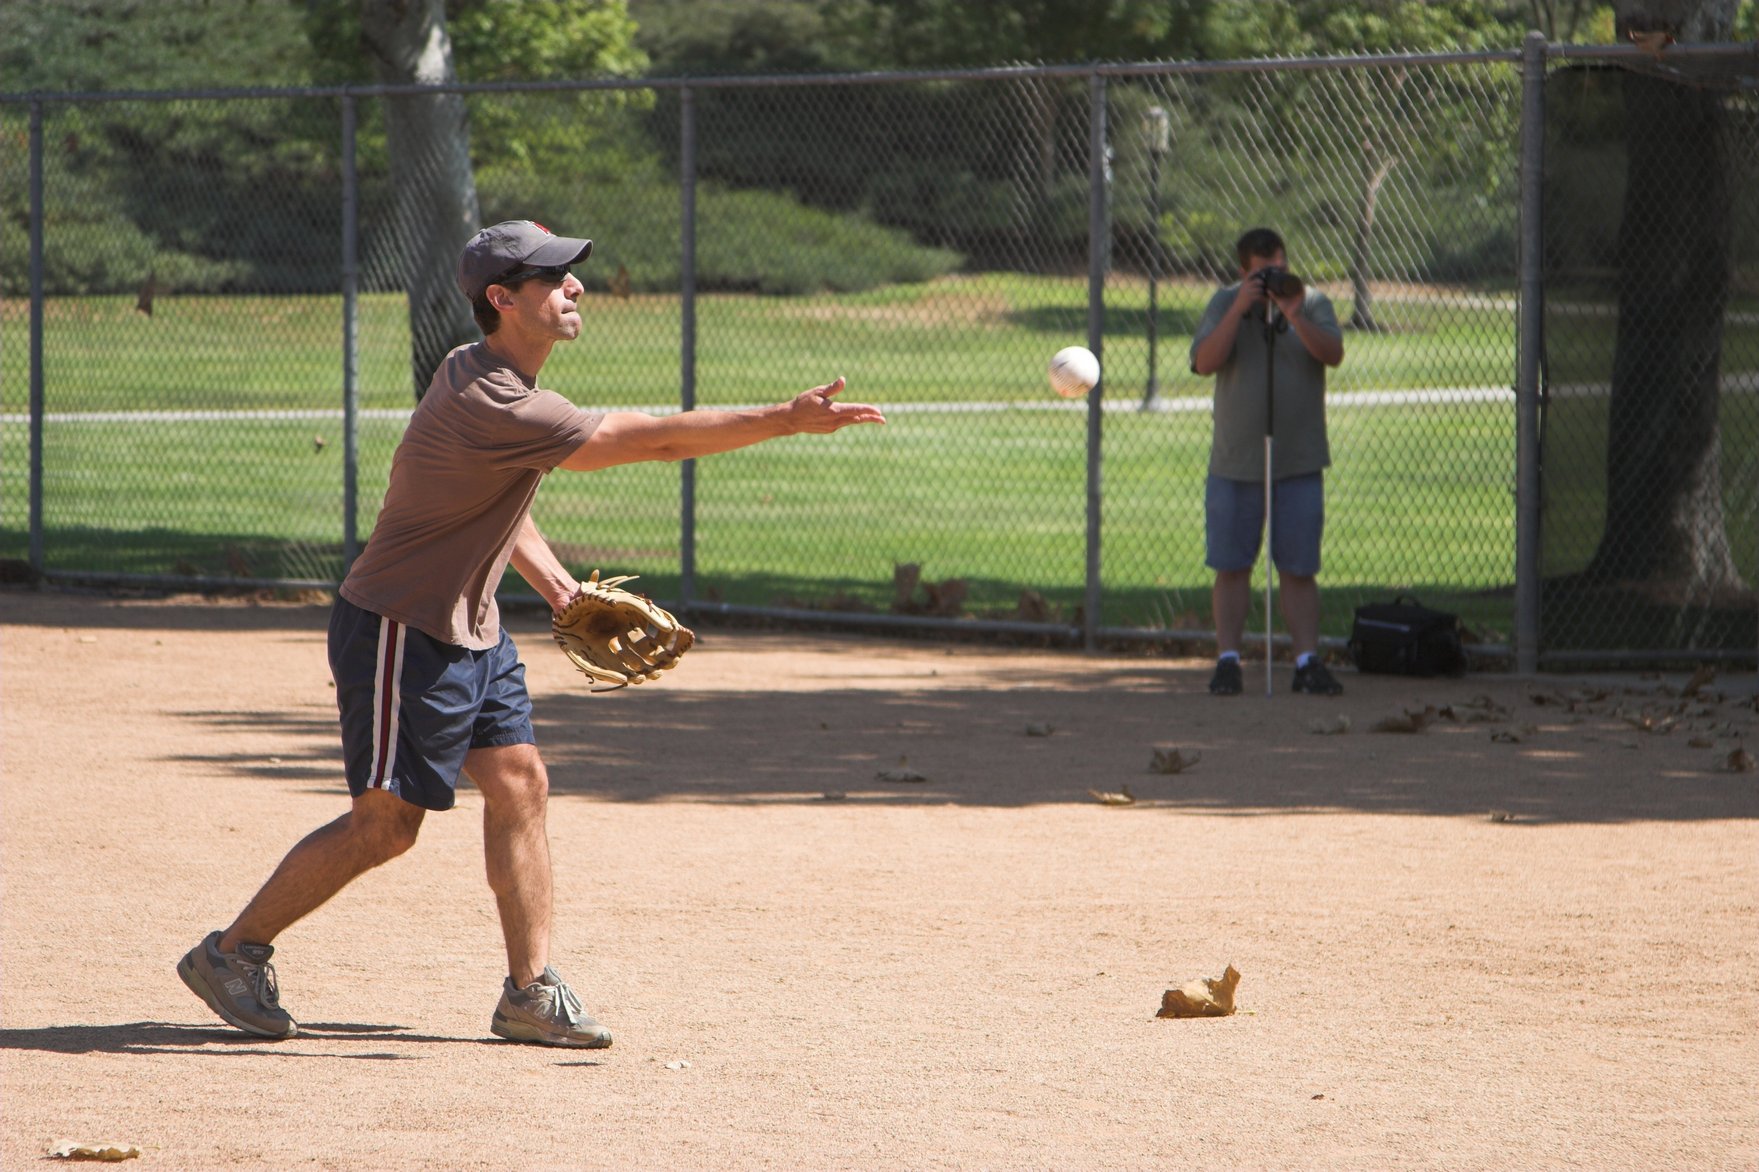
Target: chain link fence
[(216, 311)]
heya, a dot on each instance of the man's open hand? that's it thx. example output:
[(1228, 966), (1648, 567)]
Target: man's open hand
[(818, 411)]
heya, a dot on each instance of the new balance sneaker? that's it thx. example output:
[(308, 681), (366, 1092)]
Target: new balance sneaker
[(546, 1012), (239, 986), (1227, 680), (1315, 679)]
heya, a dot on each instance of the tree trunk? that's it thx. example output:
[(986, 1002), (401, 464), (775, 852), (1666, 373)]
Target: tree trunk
[(1362, 248), (436, 208), (1664, 512)]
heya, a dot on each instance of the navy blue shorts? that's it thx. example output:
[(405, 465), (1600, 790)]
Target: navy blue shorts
[(1234, 523), (412, 706)]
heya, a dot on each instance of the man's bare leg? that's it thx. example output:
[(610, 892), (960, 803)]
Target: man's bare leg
[(378, 828), (1230, 599), (516, 850), (1300, 598)]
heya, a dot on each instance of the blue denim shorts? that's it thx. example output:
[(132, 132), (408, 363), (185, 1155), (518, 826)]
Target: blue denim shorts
[(1233, 513), (412, 706)]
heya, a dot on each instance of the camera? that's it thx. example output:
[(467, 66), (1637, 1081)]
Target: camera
[(1279, 282)]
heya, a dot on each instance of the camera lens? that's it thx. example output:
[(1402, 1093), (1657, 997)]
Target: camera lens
[(1280, 282)]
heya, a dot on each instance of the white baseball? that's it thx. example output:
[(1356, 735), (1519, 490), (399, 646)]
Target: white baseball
[(1073, 371)]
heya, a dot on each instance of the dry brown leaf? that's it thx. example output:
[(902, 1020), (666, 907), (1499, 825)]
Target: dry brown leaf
[(1411, 720), (1204, 997), (1172, 761), (1738, 761), (899, 775), (1701, 743), (1039, 729), (1478, 710), (1106, 798), (1704, 675), (108, 1150), (1329, 726), (1501, 816), (1645, 722)]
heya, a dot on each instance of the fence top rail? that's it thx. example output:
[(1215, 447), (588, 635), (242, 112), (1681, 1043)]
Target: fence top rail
[(999, 73)]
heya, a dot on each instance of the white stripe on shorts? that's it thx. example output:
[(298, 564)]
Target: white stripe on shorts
[(387, 700)]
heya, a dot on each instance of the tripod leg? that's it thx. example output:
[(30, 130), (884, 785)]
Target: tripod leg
[(1269, 564)]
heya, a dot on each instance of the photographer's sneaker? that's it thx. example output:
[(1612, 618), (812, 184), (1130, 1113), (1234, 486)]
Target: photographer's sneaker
[(546, 1012), (239, 986), (1316, 680), (1227, 680)]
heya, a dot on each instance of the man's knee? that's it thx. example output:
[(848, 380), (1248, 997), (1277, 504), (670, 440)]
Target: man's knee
[(512, 778), (384, 824)]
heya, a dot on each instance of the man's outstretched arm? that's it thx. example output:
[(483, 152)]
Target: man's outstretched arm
[(627, 437)]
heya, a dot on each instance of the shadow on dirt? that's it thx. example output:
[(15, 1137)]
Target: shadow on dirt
[(159, 1037), (1020, 745), (1013, 732)]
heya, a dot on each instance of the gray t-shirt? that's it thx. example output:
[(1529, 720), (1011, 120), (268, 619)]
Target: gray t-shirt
[(1299, 442), (462, 483)]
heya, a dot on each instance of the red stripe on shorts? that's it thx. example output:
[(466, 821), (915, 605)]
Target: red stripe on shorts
[(390, 634)]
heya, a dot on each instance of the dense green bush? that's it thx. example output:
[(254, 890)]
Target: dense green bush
[(761, 241)]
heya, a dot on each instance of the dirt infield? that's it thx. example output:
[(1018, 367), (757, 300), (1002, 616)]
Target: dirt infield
[(1522, 937)]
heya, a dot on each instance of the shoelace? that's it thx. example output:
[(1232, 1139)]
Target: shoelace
[(570, 1004), (262, 983), (559, 1001)]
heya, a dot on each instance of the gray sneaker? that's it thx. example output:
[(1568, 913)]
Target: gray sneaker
[(239, 986), (546, 1012)]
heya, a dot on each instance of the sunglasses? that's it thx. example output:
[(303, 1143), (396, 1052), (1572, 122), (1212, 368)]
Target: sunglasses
[(553, 274)]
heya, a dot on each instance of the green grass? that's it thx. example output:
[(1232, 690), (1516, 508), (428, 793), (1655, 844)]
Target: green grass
[(1420, 497), (981, 337)]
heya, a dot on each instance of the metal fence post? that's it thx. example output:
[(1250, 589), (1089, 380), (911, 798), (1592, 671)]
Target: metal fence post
[(350, 340), (1531, 333), (687, 338), (1098, 250), (36, 343)]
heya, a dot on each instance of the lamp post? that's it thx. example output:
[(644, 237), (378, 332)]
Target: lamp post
[(1157, 130)]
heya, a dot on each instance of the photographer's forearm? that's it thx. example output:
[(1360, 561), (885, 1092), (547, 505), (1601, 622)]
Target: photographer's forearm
[(1325, 346), (1321, 344), (1217, 346)]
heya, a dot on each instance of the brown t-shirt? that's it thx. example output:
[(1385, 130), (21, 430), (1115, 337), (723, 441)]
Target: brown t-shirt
[(462, 482)]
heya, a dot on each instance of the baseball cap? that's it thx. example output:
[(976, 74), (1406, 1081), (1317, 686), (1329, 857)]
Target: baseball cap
[(500, 248)]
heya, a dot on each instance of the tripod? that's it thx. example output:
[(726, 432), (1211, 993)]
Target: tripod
[(1274, 324)]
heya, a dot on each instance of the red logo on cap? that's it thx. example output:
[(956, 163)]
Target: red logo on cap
[(543, 229)]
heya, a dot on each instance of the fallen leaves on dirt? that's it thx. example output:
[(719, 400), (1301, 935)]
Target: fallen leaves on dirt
[(1172, 760), (1204, 997), (1409, 720), (107, 1150), (1479, 709), (1329, 726)]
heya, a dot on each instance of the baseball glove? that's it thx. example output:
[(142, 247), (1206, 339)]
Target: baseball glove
[(616, 637)]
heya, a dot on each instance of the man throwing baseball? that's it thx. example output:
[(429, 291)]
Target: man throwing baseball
[(428, 684)]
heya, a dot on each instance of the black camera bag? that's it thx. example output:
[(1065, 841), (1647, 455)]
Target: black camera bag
[(1404, 637)]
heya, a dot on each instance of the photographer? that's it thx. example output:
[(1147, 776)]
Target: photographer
[(1268, 312)]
